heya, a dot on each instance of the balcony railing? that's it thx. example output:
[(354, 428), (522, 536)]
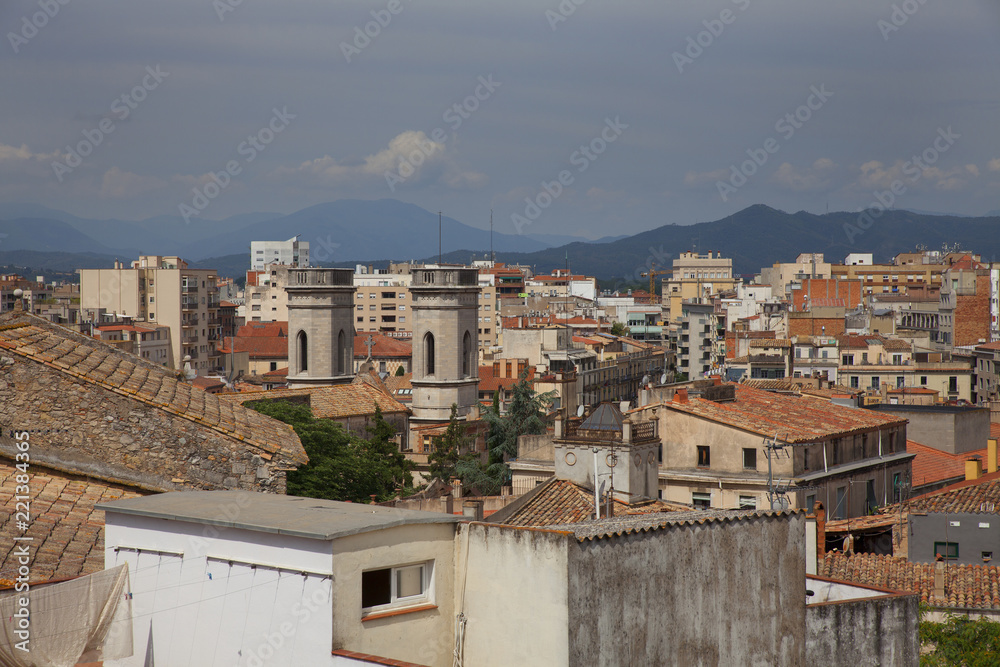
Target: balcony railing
[(189, 289), (189, 304)]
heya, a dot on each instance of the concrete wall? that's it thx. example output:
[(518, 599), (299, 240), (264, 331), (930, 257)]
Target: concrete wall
[(856, 633), (515, 596), (947, 428), (719, 593), (424, 637), (974, 534)]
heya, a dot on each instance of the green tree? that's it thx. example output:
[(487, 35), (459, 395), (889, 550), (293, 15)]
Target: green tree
[(400, 372), (449, 448), (959, 641), (525, 416), (619, 329), (341, 466)]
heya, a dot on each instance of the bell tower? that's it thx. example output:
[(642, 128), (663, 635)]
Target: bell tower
[(445, 343), (320, 326)]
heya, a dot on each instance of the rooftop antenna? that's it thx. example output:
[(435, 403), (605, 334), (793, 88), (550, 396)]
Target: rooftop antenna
[(493, 255), (439, 238)]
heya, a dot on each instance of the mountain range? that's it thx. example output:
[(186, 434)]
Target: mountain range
[(347, 231)]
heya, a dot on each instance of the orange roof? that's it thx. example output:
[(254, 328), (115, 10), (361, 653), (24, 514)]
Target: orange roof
[(125, 327), (206, 383), (385, 346), (978, 496), (559, 502), (68, 532), (267, 329), (994, 430), (973, 586), (489, 382), (794, 419), (932, 465), (259, 347)]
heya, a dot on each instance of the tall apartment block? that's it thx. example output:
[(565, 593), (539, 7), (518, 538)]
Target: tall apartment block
[(162, 290), (289, 253)]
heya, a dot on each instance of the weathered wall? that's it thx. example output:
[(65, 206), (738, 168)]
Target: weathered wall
[(85, 429), (515, 596), (875, 631), (711, 593), (975, 535), (951, 429), (424, 637)]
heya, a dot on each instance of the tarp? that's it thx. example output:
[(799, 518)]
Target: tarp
[(86, 619)]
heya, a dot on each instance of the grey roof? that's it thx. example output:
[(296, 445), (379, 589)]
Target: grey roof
[(272, 513), (607, 417), (623, 525)]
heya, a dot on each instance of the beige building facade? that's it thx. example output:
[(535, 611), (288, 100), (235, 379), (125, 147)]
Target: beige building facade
[(696, 276), (162, 290)]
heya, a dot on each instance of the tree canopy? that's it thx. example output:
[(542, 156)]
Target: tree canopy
[(342, 466), (960, 641)]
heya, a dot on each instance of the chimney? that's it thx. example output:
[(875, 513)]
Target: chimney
[(991, 455), (473, 510), (973, 470), (939, 578), (681, 395)]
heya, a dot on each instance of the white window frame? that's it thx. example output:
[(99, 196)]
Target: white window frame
[(426, 596)]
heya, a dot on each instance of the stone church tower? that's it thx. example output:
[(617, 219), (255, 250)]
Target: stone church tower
[(445, 343), (320, 326)]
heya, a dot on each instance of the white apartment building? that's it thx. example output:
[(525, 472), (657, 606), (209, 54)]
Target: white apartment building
[(292, 252), (162, 290)]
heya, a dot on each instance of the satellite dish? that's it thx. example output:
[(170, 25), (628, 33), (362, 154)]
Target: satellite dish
[(645, 380), (623, 406), (579, 411), (663, 379)]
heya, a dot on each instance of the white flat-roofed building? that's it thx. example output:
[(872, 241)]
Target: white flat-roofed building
[(289, 253)]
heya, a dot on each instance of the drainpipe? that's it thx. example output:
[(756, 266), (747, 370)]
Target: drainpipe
[(597, 498)]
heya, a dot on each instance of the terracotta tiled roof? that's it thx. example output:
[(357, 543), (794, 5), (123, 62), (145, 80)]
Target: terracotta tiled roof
[(260, 347), (972, 586), (334, 402), (858, 342), (980, 496), (265, 329), (276, 375), (830, 392), (994, 430), (932, 465), (384, 346), (96, 363), (793, 418), (206, 383), (913, 390), (68, 532), (125, 327), (896, 345), (563, 502), (617, 526), (489, 382), (771, 385)]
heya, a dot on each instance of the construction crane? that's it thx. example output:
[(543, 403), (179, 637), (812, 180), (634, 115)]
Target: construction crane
[(652, 273)]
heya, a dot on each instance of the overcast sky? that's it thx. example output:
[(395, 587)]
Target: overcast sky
[(666, 98)]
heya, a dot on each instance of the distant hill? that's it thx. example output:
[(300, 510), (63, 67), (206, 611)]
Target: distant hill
[(759, 236)]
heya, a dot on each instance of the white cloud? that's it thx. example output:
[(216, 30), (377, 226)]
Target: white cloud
[(817, 176), (118, 184), (875, 175), (994, 164), (693, 179)]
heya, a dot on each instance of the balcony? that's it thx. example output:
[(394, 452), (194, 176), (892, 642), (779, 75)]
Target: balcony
[(189, 289), (189, 304)]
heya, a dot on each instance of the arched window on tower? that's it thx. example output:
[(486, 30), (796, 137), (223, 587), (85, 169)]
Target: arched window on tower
[(467, 355), (303, 352), (341, 353), (428, 353)]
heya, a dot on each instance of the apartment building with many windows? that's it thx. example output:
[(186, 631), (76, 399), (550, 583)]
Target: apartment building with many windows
[(162, 290)]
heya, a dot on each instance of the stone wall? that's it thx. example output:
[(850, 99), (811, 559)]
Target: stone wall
[(82, 428), (856, 633)]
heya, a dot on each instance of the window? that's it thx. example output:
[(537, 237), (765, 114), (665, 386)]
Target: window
[(466, 354), (704, 456), (395, 586), (947, 550), (749, 458), (855, 381), (900, 381), (897, 360), (987, 555), (848, 360), (371, 307), (429, 354), (840, 510), (952, 384), (923, 380), (701, 500), (402, 320), (303, 352), (896, 487), (274, 366), (876, 382), (810, 501), (748, 502), (344, 362)]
